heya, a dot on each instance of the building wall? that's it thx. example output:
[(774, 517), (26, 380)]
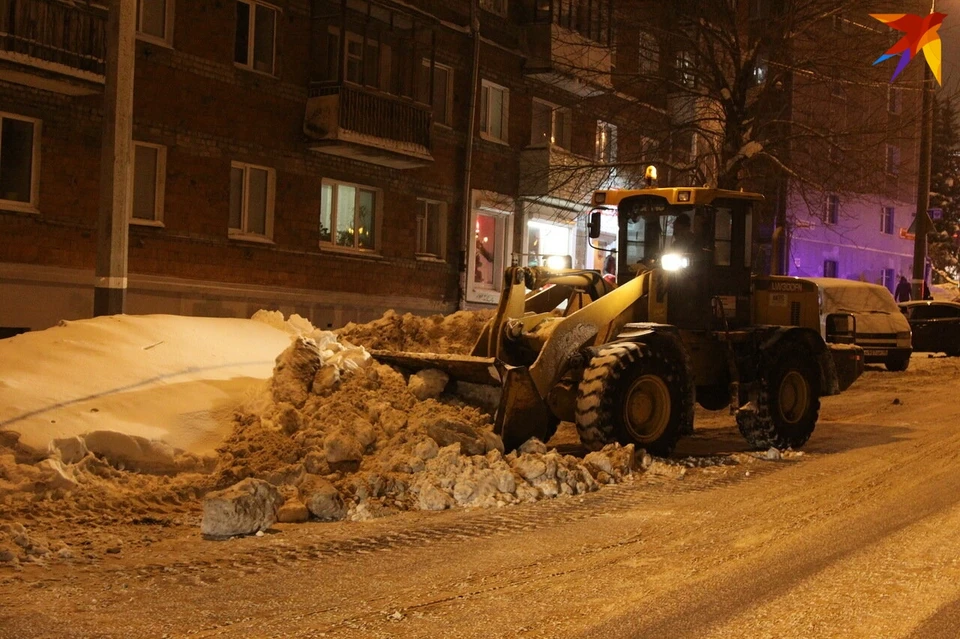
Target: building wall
[(855, 242)]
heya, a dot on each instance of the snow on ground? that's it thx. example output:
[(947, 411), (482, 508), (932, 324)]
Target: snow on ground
[(131, 415), (158, 377)]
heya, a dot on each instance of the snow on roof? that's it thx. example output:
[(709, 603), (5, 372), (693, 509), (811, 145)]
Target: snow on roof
[(839, 295), (161, 377)]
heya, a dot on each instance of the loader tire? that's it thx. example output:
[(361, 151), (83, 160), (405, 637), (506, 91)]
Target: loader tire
[(633, 393), (788, 401)]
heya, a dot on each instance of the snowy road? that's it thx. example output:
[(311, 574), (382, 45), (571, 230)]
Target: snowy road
[(858, 537)]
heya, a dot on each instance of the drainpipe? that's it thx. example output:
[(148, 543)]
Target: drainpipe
[(468, 151)]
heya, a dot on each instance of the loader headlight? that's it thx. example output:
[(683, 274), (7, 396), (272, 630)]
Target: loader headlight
[(558, 262), (674, 262)]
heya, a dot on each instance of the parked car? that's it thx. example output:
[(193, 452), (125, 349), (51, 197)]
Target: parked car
[(935, 326), (866, 315)]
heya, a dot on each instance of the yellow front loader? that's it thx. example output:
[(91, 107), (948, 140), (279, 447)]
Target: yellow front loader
[(629, 362)]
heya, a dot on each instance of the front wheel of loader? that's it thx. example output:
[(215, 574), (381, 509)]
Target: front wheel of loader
[(788, 401), (632, 393)]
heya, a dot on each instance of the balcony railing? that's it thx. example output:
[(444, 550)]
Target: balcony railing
[(69, 34), (379, 115), (382, 128), (588, 18)]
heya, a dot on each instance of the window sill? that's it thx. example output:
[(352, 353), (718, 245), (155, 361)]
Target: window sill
[(10, 206), (349, 252), (240, 236), (244, 67), (489, 138), (160, 42), (427, 257), (153, 223)]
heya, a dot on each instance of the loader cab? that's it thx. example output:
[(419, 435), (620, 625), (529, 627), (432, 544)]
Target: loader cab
[(698, 244)]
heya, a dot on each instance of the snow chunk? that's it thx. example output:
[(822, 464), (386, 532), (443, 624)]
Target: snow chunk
[(242, 509)]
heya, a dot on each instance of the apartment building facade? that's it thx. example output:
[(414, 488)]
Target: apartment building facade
[(306, 156)]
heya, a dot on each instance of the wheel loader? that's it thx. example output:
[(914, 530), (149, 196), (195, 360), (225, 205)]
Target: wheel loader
[(686, 322)]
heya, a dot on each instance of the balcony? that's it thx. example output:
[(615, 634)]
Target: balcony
[(53, 45), (569, 44), (369, 126), (555, 176)]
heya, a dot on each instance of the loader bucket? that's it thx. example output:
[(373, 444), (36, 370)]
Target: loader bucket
[(522, 413), (465, 368)]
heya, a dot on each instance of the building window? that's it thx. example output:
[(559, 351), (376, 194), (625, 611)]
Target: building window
[(886, 278), (550, 125), (894, 99), (886, 220), (155, 21), (606, 142), (256, 36), (831, 214), (349, 215), (252, 191), (494, 111), (19, 161), (685, 69), (149, 173), (892, 163), (442, 101), (829, 268), (498, 7), (760, 69), (431, 228), (363, 61), (649, 60)]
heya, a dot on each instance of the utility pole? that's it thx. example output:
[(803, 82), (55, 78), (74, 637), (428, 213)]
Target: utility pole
[(923, 182), (467, 197), (116, 154)]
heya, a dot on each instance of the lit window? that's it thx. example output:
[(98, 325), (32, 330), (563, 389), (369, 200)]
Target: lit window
[(251, 200), (685, 69), (149, 171), (256, 36), (19, 143), (155, 20), (431, 227), (494, 111), (760, 70), (550, 125), (349, 215)]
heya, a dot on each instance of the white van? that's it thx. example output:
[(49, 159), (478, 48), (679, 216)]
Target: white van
[(867, 315)]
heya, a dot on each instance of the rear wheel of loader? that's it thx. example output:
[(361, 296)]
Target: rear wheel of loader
[(632, 393), (788, 402)]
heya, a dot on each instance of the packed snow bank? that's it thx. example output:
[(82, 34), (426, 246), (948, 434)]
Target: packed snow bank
[(156, 377)]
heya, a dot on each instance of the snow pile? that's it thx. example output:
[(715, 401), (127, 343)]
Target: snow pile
[(344, 436), (104, 420), (18, 546), (456, 333)]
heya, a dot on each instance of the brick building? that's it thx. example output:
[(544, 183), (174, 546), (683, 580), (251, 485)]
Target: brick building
[(313, 156)]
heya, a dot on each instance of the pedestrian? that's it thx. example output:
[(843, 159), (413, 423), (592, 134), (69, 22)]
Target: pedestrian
[(902, 294)]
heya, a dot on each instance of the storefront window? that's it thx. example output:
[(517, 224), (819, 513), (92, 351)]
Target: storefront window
[(486, 251)]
